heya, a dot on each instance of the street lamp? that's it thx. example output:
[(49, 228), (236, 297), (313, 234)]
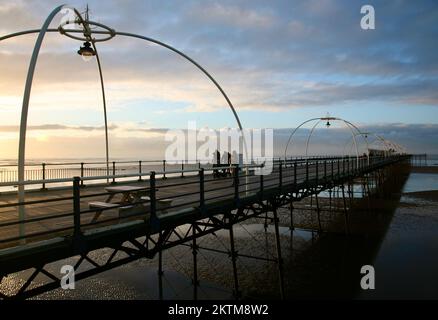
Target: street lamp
[(86, 52)]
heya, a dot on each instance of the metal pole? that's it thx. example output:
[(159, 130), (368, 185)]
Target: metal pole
[(24, 114), (82, 174), (291, 227), (139, 171), (345, 210), (318, 211), (153, 195), (201, 190), (44, 176), (76, 207), (160, 273), (182, 169), (114, 172), (281, 174), (164, 169), (316, 172), (195, 264), (233, 255), (279, 258), (295, 173), (236, 184)]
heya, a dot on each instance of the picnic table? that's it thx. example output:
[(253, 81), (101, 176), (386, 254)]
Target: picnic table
[(132, 198), (130, 194)]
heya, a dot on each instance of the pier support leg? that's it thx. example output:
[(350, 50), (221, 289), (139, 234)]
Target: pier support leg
[(291, 227), (318, 211), (279, 258), (233, 254), (160, 274), (345, 210), (330, 201), (350, 193), (195, 265)]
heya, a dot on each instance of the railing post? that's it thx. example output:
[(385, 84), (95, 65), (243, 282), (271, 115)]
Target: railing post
[(316, 172), (236, 183), (114, 172), (332, 167), (182, 169), (343, 166), (261, 187), (339, 168), (82, 174), (164, 169), (281, 174), (153, 196), (295, 173), (139, 170), (201, 190), (76, 207), (325, 170), (307, 171), (44, 176)]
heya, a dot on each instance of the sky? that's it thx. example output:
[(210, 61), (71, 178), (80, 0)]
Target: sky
[(280, 63)]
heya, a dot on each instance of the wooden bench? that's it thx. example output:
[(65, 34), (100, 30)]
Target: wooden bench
[(162, 204), (127, 210), (100, 206)]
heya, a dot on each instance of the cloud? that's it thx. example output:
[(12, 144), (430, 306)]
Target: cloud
[(253, 50), (267, 56), (43, 127)]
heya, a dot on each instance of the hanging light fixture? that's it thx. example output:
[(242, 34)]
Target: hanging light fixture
[(86, 52)]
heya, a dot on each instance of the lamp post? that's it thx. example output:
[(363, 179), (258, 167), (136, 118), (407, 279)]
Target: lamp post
[(87, 51)]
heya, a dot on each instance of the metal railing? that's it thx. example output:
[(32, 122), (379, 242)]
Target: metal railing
[(61, 215), (99, 171)]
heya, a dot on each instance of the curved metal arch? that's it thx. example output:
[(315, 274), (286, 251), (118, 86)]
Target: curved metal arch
[(28, 86), (26, 98), (348, 125), (165, 45), (102, 83), (385, 142), (365, 136), (24, 114), (310, 135), (293, 132)]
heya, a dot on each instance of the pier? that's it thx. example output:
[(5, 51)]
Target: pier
[(142, 214)]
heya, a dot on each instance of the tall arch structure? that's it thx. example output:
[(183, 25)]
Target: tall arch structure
[(347, 124), (88, 36)]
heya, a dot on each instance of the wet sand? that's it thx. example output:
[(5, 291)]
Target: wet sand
[(407, 261), (429, 169)]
